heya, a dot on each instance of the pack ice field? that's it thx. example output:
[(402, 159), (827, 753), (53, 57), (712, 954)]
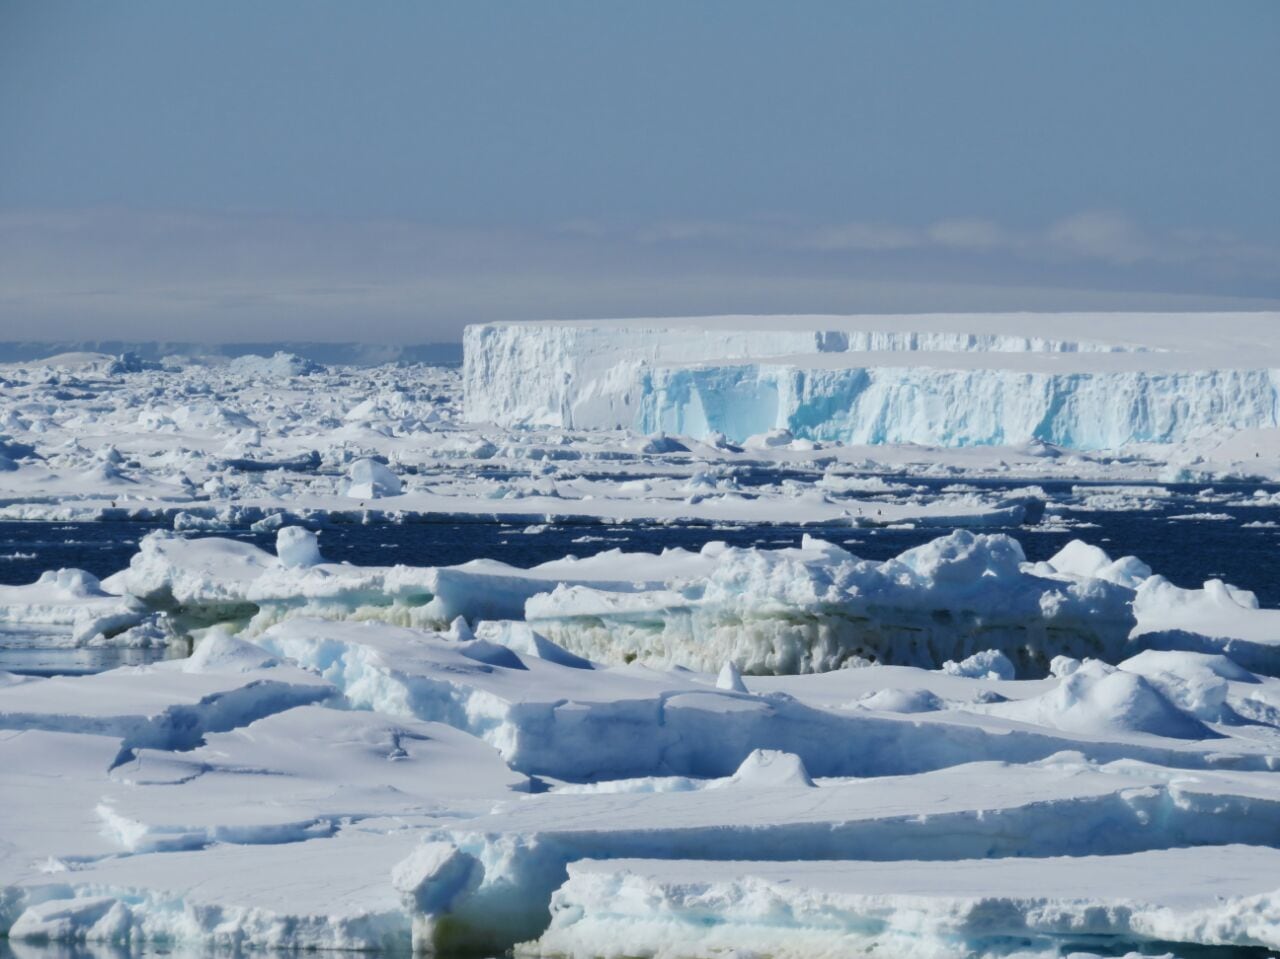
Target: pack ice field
[(789, 636)]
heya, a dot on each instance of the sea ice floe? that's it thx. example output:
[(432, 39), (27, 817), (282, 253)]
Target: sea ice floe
[(168, 705), (369, 479), (914, 909), (820, 607), (67, 607), (363, 785), (974, 811), (810, 608)]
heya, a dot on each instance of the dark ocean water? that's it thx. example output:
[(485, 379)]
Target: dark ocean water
[(1186, 551)]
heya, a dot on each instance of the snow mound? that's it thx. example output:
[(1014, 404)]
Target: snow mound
[(1090, 562), (771, 769), (278, 365), (369, 479), (1097, 698), (988, 664), (1197, 683), (297, 548), (661, 444), (901, 701), (729, 678), (219, 651)]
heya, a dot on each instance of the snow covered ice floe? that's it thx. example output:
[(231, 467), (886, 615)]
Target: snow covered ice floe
[(363, 785), (912, 909), (819, 607), (810, 608), (1059, 807), (64, 607)]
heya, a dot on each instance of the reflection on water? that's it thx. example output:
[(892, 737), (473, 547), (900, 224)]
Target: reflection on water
[(31, 950), (18, 654), (100, 950)]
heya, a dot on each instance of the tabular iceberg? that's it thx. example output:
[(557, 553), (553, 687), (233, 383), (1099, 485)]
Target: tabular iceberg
[(1084, 381)]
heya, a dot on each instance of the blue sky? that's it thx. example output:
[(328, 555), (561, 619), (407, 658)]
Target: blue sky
[(392, 170)]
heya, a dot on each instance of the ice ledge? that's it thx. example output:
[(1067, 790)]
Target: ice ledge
[(1219, 895)]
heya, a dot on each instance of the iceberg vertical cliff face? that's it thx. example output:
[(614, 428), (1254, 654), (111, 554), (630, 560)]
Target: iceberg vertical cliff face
[(955, 407), (955, 381), (593, 376)]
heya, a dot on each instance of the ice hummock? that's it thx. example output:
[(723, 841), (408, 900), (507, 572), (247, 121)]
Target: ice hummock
[(968, 603)]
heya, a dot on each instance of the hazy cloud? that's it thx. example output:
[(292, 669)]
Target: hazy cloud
[(129, 274), (969, 235), (1103, 236), (866, 237)]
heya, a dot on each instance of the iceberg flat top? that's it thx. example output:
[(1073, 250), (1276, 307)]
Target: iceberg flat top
[(1245, 332)]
